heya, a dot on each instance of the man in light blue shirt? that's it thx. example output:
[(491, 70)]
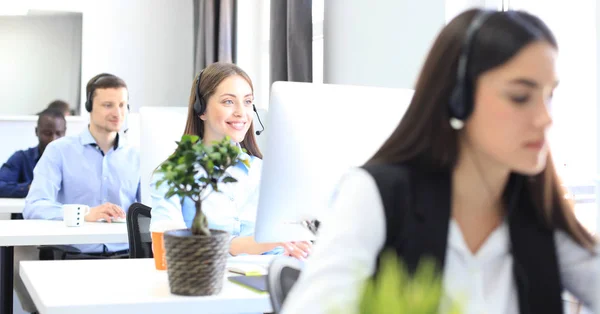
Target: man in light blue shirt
[(96, 168)]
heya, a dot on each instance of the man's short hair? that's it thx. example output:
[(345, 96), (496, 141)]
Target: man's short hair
[(52, 113), (102, 80)]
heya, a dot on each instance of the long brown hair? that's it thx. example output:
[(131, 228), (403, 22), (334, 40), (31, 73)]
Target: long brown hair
[(212, 76), (424, 138)]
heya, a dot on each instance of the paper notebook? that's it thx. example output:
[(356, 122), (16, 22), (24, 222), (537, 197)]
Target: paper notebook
[(257, 283), (247, 269)]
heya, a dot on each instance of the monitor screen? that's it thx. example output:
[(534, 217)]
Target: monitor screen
[(317, 132)]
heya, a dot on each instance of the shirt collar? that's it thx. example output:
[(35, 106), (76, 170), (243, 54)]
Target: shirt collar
[(244, 156), (86, 138)]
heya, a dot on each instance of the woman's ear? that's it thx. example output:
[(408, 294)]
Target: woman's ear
[(202, 117)]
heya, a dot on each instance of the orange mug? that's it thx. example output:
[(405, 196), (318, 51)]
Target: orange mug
[(157, 229), (158, 250)]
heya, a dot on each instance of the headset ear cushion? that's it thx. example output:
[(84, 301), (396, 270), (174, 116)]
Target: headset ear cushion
[(199, 106), (458, 105), (88, 106)]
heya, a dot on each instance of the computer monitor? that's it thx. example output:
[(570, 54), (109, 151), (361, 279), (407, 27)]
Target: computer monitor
[(317, 132), (160, 127)]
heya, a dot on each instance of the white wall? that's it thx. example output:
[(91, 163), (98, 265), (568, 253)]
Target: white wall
[(380, 42), (384, 43), (29, 81), (455, 7), (598, 104), (146, 42), (597, 309), (598, 100), (253, 46)]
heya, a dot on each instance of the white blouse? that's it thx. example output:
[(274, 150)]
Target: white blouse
[(354, 233)]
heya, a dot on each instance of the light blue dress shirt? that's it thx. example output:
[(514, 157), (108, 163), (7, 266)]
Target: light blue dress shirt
[(74, 170), (233, 209)]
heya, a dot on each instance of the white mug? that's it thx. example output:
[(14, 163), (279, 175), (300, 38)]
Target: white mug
[(74, 214)]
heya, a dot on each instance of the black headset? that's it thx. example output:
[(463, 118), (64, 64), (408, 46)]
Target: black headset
[(461, 99), (200, 105), (88, 99)]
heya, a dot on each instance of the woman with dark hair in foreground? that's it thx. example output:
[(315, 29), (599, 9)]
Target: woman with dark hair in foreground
[(467, 179)]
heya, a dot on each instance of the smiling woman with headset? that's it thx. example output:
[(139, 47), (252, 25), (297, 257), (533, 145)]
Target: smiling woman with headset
[(222, 104), (467, 179)]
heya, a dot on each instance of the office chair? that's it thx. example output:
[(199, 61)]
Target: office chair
[(283, 274), (138, 231)]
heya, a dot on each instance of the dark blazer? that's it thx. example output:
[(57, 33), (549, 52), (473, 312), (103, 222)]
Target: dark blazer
[(417, 210)]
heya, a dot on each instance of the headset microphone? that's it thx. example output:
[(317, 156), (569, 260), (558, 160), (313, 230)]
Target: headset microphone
[(261, 125)]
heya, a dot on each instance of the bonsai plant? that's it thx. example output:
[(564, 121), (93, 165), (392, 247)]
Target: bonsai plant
[(196, 257)]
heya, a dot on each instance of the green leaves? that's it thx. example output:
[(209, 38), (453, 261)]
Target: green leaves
[(190, 138), (395, 290), (229, 180), (194, 166)]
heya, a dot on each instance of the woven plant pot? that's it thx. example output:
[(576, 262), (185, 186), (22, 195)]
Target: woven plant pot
[(196, 263)]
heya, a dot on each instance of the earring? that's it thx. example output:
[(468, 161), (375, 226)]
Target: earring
[(456, 124)]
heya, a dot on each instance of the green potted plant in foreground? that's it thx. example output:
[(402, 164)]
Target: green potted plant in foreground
[(196, 257), (396, 290)]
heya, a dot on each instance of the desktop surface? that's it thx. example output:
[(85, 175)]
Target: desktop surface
[(133, 286), (12, 205), (54, 232)]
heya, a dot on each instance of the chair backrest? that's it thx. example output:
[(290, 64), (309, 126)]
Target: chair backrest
[(283, 274), (138, 231)]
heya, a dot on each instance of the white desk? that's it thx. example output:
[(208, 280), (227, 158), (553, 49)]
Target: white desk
[(47, 232), (125, 286), (11, 205), (54, 232)]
